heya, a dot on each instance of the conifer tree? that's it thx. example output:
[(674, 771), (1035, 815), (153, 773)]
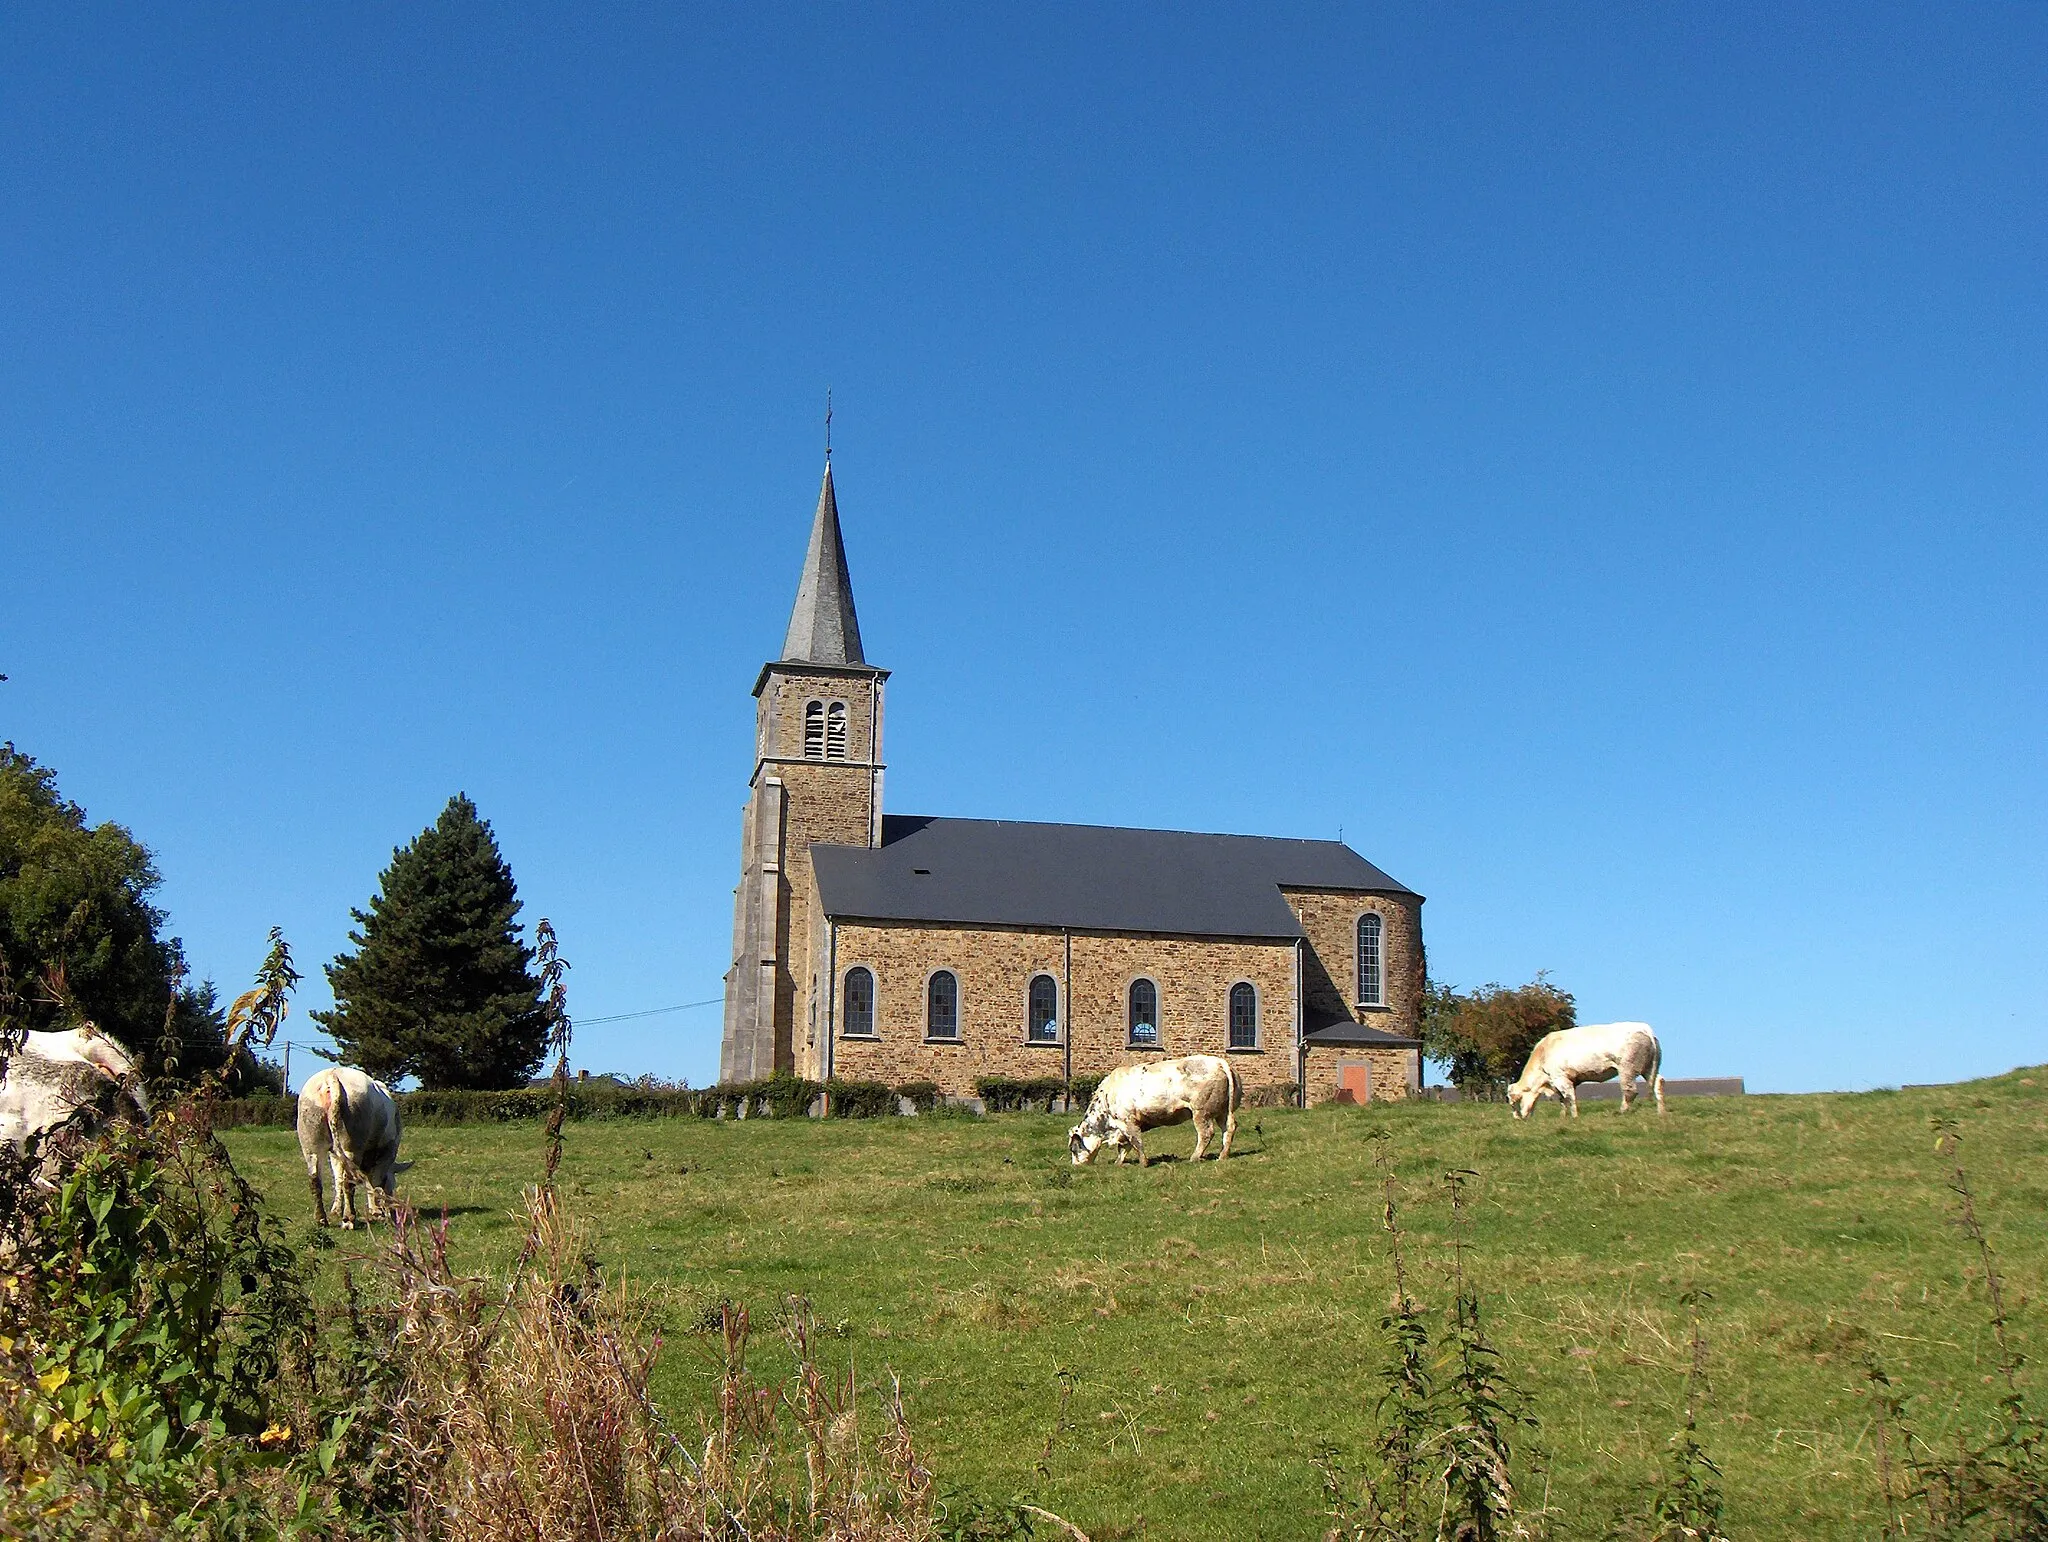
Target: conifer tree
[(441, 985)]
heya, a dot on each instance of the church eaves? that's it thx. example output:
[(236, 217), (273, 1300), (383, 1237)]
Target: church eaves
[(823, 628)]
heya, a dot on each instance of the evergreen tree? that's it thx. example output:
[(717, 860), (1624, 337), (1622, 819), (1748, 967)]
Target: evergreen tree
[(441, 985)]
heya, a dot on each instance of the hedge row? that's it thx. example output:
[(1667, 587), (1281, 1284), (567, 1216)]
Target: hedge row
[(781, 1097)]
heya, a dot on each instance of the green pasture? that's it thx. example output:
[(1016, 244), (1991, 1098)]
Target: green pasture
[(1162, 1353)]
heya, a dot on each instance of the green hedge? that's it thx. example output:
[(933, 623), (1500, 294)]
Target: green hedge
[(859, 1100), (1013, 1094), (781, 1097)]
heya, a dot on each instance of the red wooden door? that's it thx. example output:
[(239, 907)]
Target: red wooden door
[(1354, 1083)]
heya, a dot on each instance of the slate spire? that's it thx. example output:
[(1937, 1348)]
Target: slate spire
[(823, 628)]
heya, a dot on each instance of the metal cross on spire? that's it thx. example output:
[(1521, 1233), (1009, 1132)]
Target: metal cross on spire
[(828, 423)]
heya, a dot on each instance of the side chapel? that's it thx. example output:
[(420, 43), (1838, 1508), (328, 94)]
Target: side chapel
[(901, 948)]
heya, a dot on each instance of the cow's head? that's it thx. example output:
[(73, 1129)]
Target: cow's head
[(106, 1056), (1089, 1137), (1525, 1095)]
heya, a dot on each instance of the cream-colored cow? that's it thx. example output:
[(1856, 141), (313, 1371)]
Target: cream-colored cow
[(1135, 1098), (54, 1078), (1598, 1052), (351, 1120)]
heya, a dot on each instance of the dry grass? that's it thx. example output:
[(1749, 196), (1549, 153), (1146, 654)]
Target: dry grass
[(525, 1417)]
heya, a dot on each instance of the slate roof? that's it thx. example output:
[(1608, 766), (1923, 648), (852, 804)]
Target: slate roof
[(995, 872), (822, 627), (1345, 1032)]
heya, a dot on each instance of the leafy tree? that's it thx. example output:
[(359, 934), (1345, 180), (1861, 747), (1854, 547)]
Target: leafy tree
[(441, 985), (77, 903), (1483, 1038)]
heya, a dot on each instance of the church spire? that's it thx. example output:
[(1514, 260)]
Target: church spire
[(823, 628)]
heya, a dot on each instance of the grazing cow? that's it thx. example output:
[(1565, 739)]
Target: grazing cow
[(1597, 1052), (52, 1079), (351, 1120), (1135, 1098)]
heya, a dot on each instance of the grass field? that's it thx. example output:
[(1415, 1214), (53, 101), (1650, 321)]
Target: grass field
[(1217, 1324)]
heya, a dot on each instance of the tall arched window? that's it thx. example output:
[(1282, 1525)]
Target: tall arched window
[(1144, 1015), (942, 1006), (1369, 988), (1244, 1016), (1043, 1013), (835, 731), (859, 1017), (814, 731)]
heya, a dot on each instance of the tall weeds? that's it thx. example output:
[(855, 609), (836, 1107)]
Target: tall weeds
[(1994, 1486), (1686, 1506), (531, 1420), (1440, 1466)]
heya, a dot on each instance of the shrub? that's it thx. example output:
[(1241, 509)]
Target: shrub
[(1279, 1095), (1081, 1091), (859, 1100), (1483, 1039), (1013, 1094), (262, 1113), (922, 1096), (164, 1356)]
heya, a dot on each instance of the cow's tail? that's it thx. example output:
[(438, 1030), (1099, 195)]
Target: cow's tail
[(1236, 1089), (1657, 1072)]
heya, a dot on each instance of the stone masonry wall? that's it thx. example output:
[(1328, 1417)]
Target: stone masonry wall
[(995, 966), (1392, 1071), (779, 719), (1330, 972)]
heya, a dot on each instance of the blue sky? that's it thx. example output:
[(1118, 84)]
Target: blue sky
[(1591, 456)]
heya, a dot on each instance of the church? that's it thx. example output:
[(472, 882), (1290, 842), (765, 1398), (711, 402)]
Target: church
[(899, 948)]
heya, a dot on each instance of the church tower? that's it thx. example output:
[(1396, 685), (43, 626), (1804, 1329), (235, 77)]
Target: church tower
[(817, 778)]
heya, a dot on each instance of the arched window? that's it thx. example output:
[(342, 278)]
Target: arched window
[(1369, 989), (814, 731), (1144, 1015), (1042, 1023), (1244, 1016), (859, 1017), (942, 1006), (835, 731)]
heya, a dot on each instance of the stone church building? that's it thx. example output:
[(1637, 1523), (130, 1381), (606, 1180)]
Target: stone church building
[(900, 948)]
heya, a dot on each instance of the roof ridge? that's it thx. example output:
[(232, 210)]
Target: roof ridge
[(1075, 824)]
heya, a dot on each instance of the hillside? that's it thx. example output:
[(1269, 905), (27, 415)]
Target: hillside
[(1218, 1324)]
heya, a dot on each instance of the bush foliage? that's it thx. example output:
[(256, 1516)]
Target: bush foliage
[(1482, 1039)]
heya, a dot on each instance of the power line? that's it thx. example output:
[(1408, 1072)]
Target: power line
[(620, 1017), (581, 1022)]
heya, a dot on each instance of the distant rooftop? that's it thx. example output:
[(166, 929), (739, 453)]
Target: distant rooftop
[(996, 872)]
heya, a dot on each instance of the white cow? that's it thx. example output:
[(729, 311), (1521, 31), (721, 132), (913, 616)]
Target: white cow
[(54, 1078), (1597, 1052), (351, 1120), (1135, 1098)]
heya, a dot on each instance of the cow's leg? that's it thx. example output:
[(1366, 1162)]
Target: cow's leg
[(1229, 1133), (1628, 1089), (1569, 1095), (1138, 1140), (313, 1182), (344, 1190), (1203, 1130)]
